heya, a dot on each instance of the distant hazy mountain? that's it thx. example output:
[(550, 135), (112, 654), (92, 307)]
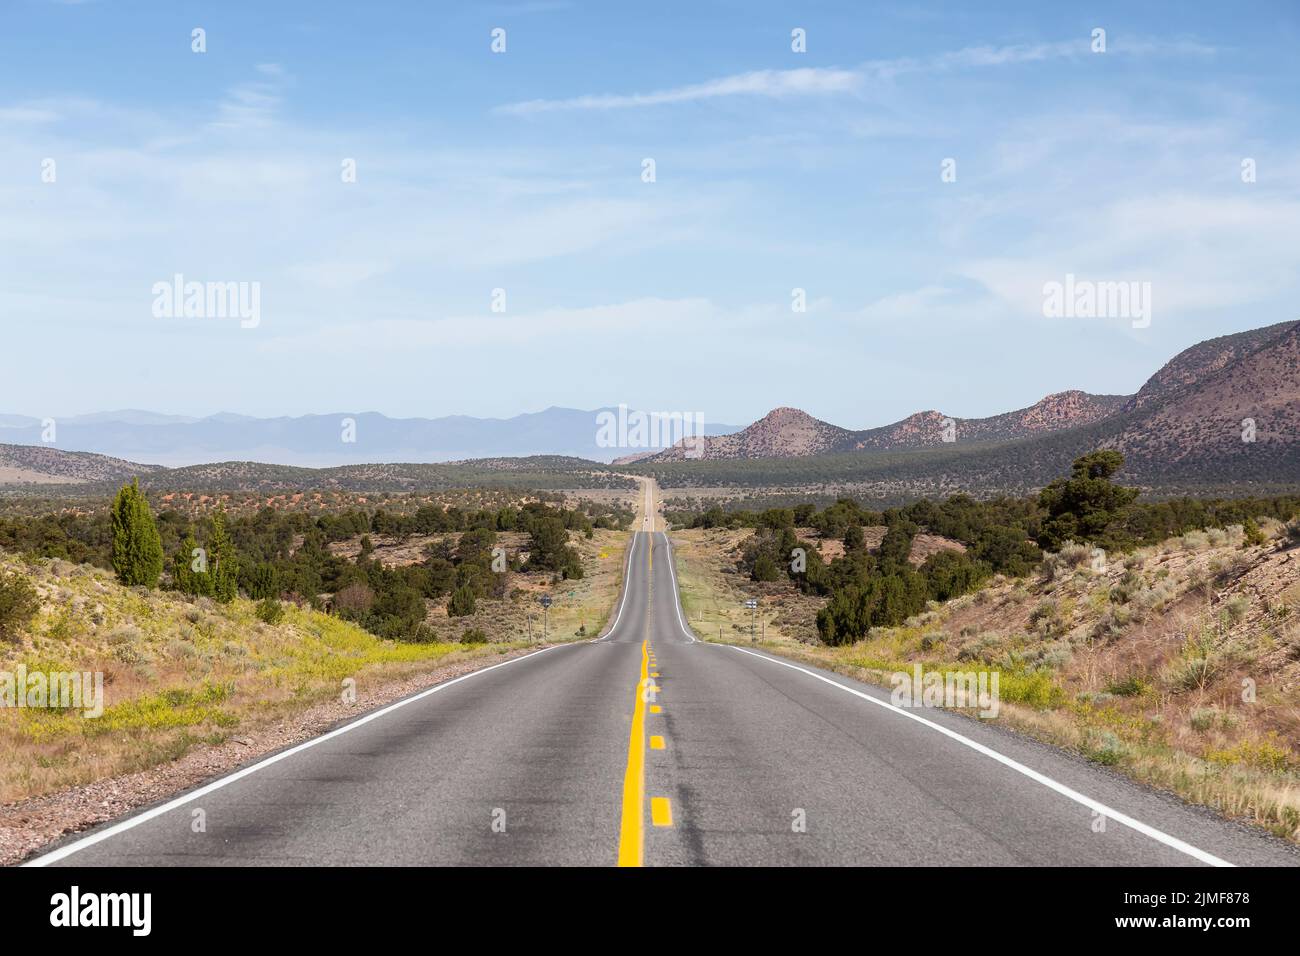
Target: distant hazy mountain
[(129, 416), (324, 440)]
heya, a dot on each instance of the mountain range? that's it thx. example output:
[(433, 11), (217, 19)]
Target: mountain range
[(322, 441), (1224, 413), (1205, 404)]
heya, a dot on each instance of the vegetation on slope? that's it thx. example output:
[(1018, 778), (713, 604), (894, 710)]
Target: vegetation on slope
[(1172, 654)]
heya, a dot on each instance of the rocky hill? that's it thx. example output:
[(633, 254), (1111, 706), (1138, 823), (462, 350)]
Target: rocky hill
[(42, 464), (1230, 403)]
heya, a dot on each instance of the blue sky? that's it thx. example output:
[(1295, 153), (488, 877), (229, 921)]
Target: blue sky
[(522, 171)]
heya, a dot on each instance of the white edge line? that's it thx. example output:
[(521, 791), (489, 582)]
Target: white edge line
[(677, 594), (627, 571), (100, 835), (1158, 835)]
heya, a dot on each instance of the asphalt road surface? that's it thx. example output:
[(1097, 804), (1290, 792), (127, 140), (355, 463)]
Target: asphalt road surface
[(649, 747)]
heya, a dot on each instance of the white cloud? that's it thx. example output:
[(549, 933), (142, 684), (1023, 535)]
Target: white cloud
[(822, 81), (253, 105), (27, 114), (1198, 252), (772, 84)]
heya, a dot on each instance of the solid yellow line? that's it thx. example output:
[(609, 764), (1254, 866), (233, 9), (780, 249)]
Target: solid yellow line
[(661, 812), (631, 837), (656, 743)]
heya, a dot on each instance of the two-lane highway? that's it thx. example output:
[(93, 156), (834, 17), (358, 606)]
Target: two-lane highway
[(648, 746)]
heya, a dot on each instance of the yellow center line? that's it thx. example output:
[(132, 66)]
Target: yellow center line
[(631, 835)]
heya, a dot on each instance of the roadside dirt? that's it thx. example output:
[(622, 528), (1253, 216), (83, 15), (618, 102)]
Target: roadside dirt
[(28, 825)]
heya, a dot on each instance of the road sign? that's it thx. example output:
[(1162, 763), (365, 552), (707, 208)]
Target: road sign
[(752, 602), (546, 600)]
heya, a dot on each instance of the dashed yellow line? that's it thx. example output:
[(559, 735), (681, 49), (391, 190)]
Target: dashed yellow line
[(661, 812), (656, 709), (656, 742)]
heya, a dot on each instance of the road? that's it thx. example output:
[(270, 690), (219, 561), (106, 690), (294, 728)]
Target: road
[(649, 747)]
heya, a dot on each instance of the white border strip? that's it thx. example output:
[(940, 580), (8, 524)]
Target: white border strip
[(100, 835), (1158, 835)]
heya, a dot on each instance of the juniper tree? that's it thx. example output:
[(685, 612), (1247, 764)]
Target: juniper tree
[(223, 565), (190, 570), (137, 546)]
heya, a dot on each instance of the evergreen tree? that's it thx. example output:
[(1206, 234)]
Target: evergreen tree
[(1087, 506), (854, 540), (461, 603), (187, 578), (765, 569), (223, 565), (137, 546)]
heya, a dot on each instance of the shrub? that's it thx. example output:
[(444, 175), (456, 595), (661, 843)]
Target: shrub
[(1037, 689), (1047, 617), (19, 603), (1131, 686), (421, 634), (1057, 655), (1129, 587), (1192, 674), (473, 635), (1106, 749), (1235, 608), (270, 611), (462, 602), (765, 569), (354, 600), (1203, 718), (1269, 755), (126, 634)]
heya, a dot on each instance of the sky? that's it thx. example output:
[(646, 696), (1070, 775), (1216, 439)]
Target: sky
[(920, 172)]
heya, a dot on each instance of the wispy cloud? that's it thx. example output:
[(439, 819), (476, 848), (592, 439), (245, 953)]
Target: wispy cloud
[(253, 105), (822, 81), (772, 84), (27, 114)]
